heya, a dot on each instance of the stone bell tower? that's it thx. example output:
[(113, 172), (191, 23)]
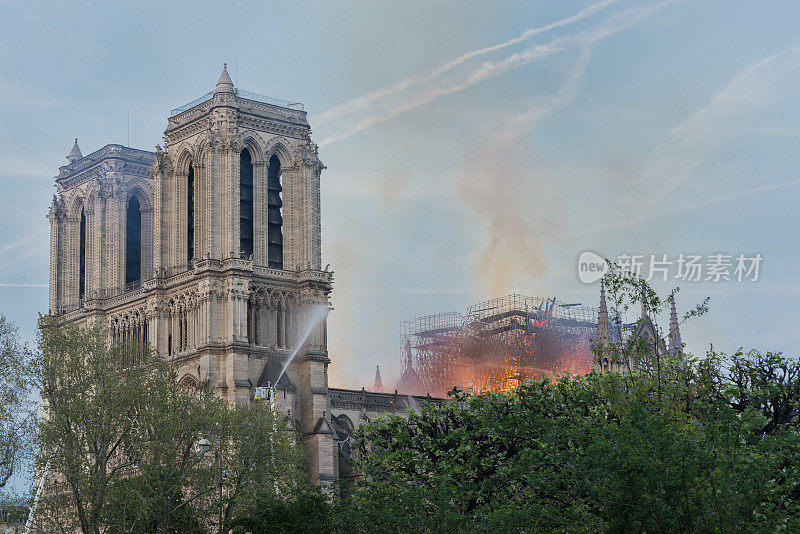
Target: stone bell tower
[(222, 271), (237, 196)]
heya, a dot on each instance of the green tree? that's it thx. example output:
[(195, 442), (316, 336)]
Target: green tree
[(584, 454), (671, 446), (17, 412), (121, 438), (136, 505), (301, 510), (89, 394), (172, 481), (262, 457), (13, 511)]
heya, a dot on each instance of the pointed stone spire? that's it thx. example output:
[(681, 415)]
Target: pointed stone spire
[(675, 345), (75, 153), (224, 85), (410, 383), (378, 386), (603, 324), (644, 301)]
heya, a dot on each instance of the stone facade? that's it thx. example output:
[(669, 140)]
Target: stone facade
[(209, 250)]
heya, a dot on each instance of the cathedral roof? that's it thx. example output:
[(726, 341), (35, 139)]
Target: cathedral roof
[(270, 372), (75, 153), (224, 84), (139, 161)]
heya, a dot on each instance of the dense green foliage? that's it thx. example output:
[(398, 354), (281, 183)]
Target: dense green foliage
[(17, 413), (13, 510), (719, 452), (121, 438), (675, 445), (304, 511)]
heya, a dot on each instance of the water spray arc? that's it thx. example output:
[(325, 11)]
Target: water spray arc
[(314, 318)]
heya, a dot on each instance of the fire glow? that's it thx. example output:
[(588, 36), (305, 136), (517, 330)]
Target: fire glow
[(499, 344)]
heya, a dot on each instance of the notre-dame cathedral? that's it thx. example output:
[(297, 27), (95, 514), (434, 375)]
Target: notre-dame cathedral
[(209, 250)]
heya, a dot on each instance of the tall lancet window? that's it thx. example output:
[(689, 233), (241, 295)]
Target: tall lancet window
[(246, 203), (82, 264), (190, 215), (133, 241), (274, 214)]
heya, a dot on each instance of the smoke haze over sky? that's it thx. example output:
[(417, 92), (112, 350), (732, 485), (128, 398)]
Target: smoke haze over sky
[(473, 148)]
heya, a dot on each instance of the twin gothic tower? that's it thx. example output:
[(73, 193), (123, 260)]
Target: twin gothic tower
[(209, 251)]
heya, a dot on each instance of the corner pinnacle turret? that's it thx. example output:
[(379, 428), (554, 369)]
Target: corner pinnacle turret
[(603, 323), (675, 344), (224, 84), (75, 153)]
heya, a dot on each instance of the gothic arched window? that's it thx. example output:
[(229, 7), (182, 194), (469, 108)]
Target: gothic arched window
[(82, 265), (245, 203), (190, 215), (133, 241), (274, 214)]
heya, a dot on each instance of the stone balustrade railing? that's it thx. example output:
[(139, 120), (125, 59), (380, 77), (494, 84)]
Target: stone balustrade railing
[(118, 296)]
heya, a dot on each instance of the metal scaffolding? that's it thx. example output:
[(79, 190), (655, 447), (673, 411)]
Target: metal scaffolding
[(499, 343)]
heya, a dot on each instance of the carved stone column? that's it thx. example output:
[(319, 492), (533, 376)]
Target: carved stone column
[(260, 246)]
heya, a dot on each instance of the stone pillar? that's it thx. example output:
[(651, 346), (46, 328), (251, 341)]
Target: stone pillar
[(56, 217), (93, 254), (310, 375), (260, 212), (71, 260), (302, 220), (287, 325), (272, 320), (280, 332), (159, 228), (147, 244)]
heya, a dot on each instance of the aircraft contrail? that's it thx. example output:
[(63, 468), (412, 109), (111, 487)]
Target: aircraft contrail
[(362, 101), (617, 23)]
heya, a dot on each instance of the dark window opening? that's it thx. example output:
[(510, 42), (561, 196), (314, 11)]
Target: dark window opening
[(246, 203), (133, 242), (190, 215), (82, 267), (274, 214)]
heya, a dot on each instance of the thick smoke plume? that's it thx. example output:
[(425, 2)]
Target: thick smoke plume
[(509, 198)]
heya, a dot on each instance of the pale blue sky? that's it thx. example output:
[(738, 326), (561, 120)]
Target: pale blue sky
[(639, 127)]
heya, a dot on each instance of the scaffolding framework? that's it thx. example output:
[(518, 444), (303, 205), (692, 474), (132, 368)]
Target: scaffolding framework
[(499, 343)]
